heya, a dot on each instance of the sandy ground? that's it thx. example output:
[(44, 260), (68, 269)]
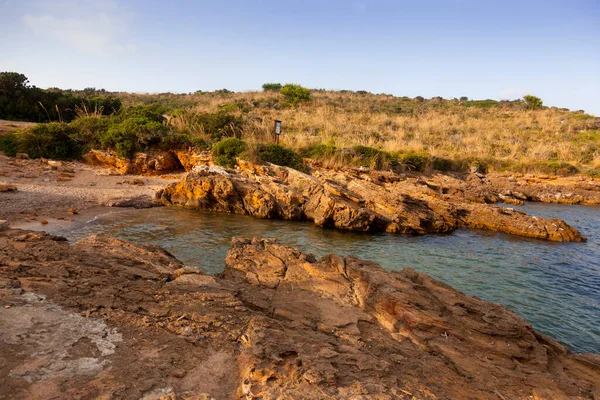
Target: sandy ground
[(47, 191), (10, 126)]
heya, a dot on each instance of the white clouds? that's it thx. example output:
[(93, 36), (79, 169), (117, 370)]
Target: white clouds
[(85, 26)]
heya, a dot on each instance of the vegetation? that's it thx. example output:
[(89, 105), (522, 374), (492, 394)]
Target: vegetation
[(275, 154), (53, 140), (533, 102), (272, 87), (227, 151), (295, 94), (335, 128), (23, 102)]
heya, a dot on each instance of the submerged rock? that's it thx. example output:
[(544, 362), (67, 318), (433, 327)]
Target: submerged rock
[(376, 202), (277, 324)]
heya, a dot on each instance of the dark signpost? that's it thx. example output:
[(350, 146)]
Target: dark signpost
[(277, 131)]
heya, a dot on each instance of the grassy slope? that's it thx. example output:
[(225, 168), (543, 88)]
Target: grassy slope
[(502, 135), (506, 134)]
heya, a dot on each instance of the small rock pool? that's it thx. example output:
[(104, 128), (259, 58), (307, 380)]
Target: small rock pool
[(554, 286)]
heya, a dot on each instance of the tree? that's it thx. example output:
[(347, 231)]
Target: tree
[(533, 102), (271, 87)]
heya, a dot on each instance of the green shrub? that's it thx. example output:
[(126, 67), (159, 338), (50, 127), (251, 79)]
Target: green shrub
[(442, 164), (133, 134), (220, 124), (533, 102), (227, 150), (482, 103), (152, 112), (89, 130), (8, 144), (295, 94), (52, 140), (279, 155), (556, 167), (271, 87), (414, 161), (179, 141), (319, 151), (370, 157)]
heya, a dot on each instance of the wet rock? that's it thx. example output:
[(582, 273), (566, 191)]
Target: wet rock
[(142, 201)]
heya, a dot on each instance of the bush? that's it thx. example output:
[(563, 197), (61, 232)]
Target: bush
[(319, 151), (370, 157), (482, 103), (220, 124), (279, 155), (133, 134), (8, 144), (442, 164), (227, 150), (271, 87), (89, 130), (52, 140), (533, 102), (295, 94), (414, 161)]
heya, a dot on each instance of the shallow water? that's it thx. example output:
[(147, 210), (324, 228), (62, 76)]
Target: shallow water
[(554, 286)]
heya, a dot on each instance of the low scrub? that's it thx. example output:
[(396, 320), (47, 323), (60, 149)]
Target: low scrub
[(276, 154), (8, 144), (295, 94), (220, 124), (227, 151), (132, 135), (53, 140)]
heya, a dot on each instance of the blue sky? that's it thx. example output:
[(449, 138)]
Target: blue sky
[(450, 48)]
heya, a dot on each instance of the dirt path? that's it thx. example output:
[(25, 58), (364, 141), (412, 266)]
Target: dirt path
[(47, 190)]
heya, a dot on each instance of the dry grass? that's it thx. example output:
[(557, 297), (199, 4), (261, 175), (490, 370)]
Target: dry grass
[(508, 134)]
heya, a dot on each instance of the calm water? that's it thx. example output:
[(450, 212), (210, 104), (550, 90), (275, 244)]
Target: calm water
[(554, 286)]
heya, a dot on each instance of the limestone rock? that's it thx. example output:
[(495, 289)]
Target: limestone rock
[(134, 322), (154, 162), (363, 201)]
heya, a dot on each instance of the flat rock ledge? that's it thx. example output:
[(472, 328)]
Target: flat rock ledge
[(106, 319), (352, 200)]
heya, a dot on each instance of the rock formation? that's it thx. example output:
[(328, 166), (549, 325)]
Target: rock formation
[(154, 162), (106, 319), (360, 201)]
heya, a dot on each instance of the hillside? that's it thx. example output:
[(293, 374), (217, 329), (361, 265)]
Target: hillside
[(341, 127)]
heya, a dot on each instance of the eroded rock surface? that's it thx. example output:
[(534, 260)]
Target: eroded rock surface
[(155, 162), (353, 200), (106, 319)]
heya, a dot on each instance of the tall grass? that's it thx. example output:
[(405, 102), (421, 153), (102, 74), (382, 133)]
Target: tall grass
[(508, 133)]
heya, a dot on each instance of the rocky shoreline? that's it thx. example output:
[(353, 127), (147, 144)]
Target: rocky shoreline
[(346, 199), (369, 201), (107, 319)]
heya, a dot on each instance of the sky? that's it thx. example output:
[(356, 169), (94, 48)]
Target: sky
[(498, 49)]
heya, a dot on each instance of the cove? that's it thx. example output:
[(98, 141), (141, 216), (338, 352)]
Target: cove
[(554, 286)]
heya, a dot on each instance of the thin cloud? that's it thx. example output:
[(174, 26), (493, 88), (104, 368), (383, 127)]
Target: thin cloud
[(91, 30)]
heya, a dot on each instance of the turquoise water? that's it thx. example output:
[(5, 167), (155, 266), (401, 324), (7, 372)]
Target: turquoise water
[(554, 286)]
